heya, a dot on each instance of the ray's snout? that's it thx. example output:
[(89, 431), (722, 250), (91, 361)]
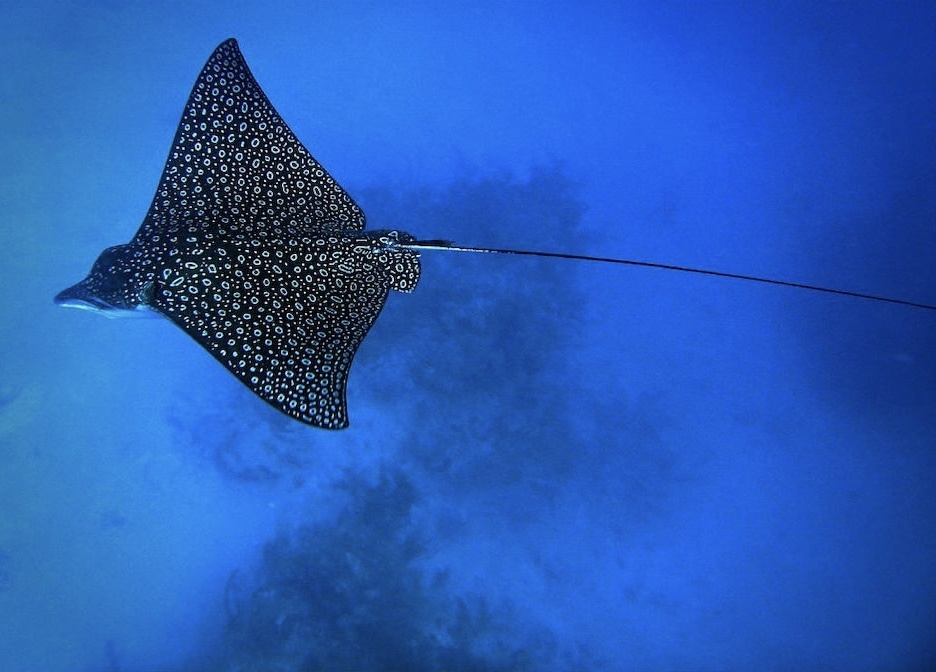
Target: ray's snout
[(70, 295), (78, 296), (83, 297)]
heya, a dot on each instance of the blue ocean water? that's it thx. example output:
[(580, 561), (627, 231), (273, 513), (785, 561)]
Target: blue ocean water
[(551, 465)]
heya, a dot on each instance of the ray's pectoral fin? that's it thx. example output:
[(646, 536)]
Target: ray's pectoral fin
[(286, 319)]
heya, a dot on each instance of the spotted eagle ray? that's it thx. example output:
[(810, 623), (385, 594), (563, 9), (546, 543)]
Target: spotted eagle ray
[(257, 253)]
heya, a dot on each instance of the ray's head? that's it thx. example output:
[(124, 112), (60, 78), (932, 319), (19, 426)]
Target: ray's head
[(115, 287)]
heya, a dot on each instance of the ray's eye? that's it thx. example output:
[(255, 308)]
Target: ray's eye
[(145, 295), (110, 257)]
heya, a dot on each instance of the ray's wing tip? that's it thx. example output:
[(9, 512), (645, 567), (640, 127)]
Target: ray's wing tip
[(334, 423), (228, 45)]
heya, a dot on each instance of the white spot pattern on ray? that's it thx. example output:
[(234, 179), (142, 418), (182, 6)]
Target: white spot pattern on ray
[(254, 250), (236, 167)]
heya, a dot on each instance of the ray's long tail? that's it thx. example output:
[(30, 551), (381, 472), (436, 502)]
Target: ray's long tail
[(449, 246)]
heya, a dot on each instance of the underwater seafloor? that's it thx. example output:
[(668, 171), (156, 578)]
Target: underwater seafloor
[(551, 465)]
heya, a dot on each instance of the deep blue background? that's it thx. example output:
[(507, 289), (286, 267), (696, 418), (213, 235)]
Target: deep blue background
[(550, 465)]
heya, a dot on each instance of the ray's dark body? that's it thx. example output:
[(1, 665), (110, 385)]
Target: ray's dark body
[(254, 250)]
